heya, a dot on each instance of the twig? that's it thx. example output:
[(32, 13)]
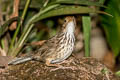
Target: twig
[(15, 13)]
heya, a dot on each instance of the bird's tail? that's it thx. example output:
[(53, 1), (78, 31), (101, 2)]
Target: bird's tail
[(20, 60)]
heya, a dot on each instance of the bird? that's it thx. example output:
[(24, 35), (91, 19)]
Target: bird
[(56, 49)]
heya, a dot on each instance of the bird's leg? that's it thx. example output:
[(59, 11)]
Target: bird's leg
[(66, 61), (63, 67), (58, 66), (48, 63)]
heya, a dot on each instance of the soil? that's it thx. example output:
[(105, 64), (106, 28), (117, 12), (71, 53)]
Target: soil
[(72, 69)]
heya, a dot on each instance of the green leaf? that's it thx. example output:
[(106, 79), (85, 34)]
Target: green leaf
[(5, 26), (65, 10), (117, 73), (111, 25), (79, 2), (86, 30), (34, 3)]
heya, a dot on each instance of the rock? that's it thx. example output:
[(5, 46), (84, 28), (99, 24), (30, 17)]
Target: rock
[(74, 69)]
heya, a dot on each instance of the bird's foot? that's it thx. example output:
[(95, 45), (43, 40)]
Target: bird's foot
[(59, 66), (66, 61), (63, 67)]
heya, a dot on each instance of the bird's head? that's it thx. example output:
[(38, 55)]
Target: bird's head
[(69, 24)]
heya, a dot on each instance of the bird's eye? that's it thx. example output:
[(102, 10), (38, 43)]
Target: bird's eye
[(65, 21)]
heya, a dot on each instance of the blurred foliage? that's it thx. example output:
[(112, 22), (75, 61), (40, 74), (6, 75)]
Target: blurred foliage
[(4, 27), (37, 4), (117, 73), (112, 25), (40, 10)]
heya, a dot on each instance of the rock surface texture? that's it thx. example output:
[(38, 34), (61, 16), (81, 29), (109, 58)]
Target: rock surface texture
[(73, 69)]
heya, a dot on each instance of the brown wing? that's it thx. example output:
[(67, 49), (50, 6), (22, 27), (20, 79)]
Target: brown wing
[(46, 49)]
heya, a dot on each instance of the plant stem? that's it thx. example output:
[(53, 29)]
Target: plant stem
[(19, 24), (19, 45), (2, 43)]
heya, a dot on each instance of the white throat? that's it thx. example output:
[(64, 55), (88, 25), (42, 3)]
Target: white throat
[(70, 27)]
